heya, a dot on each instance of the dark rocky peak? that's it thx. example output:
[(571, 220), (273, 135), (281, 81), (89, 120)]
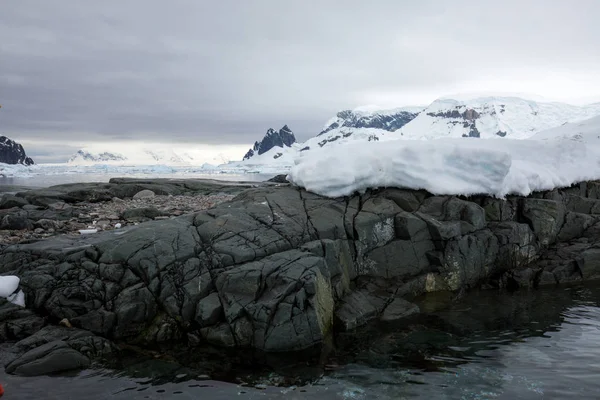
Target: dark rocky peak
[(282, 138), (105, 156), (12, 152), (386, 120)]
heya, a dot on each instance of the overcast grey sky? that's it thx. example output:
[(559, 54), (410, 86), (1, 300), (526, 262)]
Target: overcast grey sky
[(224, 71)]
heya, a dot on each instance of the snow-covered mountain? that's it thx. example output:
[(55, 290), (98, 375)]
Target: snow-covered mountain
[(139, 157), (12, 152), (388, 120), (131, 154), (481, 117), (492, 117), (282, 138), (84, 156)]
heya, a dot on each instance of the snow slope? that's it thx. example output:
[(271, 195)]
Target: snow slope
[(154, 154), (492, 117), (455, 165), (587, 131)]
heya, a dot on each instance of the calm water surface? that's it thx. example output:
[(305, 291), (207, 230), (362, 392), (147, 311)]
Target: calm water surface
[(538, 345)]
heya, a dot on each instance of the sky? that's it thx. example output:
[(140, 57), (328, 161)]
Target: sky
[(220, 73)]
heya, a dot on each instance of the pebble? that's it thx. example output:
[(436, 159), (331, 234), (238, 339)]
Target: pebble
[(106, 214)]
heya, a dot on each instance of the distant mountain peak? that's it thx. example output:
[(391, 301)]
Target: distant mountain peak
[(282, 138), (89, 157), (367, 117), (12, 152)]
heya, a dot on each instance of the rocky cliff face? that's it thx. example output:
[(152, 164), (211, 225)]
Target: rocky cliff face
[(12, 152), (389, 120), (280, 269), (282, 138)]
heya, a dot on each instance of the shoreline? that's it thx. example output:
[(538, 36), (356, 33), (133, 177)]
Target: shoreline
[(270, 267)]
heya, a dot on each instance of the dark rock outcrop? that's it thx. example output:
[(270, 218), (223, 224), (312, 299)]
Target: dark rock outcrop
[(282, 138), (12, 152), (280, 269), (387, 121), (276, 179)]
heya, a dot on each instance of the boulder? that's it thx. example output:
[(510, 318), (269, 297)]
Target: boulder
[(10, 201), (144, 194), (136, 214), (15, 222), (46, 359), (399, 309)]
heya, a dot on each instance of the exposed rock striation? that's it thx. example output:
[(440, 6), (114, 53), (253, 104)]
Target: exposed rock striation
[(280, 269), (390, 120)]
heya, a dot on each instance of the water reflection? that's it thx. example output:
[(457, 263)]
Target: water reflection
[(526, 345)]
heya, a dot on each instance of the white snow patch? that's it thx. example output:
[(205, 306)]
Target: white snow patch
[(17, 298), (8, 285), (450, 166)]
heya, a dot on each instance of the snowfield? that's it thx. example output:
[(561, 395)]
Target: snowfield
[(556, 158)]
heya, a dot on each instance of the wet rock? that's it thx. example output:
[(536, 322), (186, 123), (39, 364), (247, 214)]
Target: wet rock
[(49, 358), (50, 333), (277, 268), (97, 321), (16, 322), (399, 309), (589, 263), (470, 259), (296, 312), (357, 309)]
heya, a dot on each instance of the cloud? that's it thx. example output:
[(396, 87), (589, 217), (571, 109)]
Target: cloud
[(222, 72)]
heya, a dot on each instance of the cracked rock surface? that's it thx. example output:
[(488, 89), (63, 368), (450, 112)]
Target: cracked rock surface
[(280, 269)]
